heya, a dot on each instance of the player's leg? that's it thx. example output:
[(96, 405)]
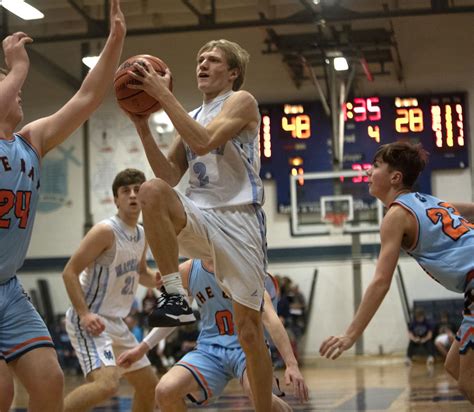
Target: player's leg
[(6, 386), (96, 357), (466, 374), (452, 361), (278, 404), (39, 372), (29, 351), (259, 368), (144, 382), (101, 385), (164, 217), (173, 387)]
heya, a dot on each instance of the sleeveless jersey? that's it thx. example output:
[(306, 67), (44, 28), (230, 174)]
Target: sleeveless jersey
[(445, 243), (217, 317), (229, 174), (19, 193), (111, 282)]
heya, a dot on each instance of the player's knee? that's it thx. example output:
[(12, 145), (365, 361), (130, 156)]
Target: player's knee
[(249, 334), (165, 393), (108, 387), (453, 371), (153, 192), (54, 380), (50, 388)]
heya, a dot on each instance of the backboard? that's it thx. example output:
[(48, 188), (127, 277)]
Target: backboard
[(335, 202)]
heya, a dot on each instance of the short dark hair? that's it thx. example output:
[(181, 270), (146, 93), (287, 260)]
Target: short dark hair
[(127, 177), (409, 159)]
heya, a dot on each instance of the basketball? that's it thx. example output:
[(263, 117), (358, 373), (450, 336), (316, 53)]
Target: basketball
[(133, 100)]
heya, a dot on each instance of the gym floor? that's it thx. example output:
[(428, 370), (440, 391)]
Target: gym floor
[(348, 384)]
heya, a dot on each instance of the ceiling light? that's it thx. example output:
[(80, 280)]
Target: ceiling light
[(22, 9), (90, 61), (340, 64), (162, 122)]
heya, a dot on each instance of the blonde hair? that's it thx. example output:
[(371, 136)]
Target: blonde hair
[(235, 55)]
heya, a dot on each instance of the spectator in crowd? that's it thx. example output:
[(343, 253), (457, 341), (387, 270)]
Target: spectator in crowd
[(297, 310), (134, 326), (420, 332), (445, 335), (149, 301)]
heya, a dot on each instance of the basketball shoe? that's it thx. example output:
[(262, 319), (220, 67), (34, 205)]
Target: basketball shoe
[(172, 309)]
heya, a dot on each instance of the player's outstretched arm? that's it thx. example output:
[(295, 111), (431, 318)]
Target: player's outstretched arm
[(18, 63), (275, 328), (48, 132), (98, 239), (391, 234)]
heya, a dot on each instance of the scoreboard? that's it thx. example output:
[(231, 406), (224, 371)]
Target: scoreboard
[(296, 138)]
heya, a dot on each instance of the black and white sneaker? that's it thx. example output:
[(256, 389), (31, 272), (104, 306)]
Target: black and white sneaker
[(276, 387), (172, 310)]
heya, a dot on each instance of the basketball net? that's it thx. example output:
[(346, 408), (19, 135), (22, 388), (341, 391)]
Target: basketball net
[(337, 219)]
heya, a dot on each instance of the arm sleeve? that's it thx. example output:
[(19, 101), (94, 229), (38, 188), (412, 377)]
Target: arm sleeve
[(156, 335)]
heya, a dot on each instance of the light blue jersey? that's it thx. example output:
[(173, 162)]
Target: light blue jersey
[(215, 307), (19, 187), (445, 242)]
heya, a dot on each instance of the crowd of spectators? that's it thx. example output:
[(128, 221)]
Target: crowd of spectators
[(428, 338)]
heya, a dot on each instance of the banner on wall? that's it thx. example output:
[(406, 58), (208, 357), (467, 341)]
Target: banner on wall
[(54, 192)]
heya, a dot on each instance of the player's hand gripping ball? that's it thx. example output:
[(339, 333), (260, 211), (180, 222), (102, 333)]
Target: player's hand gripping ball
[(133, 100)]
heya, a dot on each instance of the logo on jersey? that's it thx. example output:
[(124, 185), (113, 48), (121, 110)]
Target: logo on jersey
[(108, 355)]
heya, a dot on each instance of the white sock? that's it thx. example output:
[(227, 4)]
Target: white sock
[(173, 283)]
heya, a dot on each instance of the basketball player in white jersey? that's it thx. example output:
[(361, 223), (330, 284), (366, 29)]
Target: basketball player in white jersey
[(101, 279), (220, 218), (26, 347)]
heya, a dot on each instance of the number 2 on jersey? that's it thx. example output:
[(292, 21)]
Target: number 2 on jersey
[(443, 213)]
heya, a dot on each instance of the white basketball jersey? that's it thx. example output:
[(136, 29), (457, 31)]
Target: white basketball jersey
[(111, 282), (229, 174)]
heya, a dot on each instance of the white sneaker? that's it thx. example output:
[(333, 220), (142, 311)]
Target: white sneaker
[(408, 362)]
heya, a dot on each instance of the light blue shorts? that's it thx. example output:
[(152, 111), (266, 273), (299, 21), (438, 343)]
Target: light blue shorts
[(21, 326), (213, 367)]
